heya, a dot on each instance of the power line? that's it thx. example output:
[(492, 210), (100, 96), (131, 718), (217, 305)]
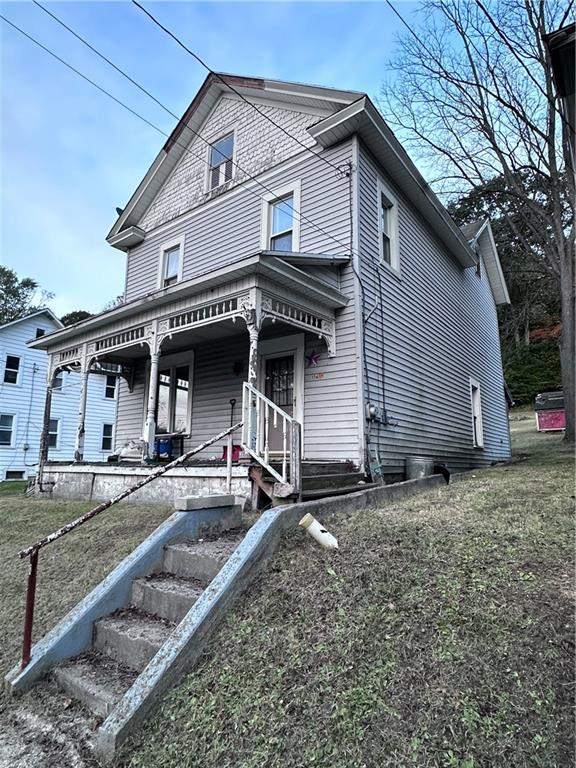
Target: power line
[(234, 90), (300, 215)]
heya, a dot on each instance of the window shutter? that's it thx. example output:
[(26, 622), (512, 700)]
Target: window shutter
[(214, 177), (228, 170)]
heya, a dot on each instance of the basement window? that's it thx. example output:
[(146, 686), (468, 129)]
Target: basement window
[(476, 402), (14, 474), (221, 161)]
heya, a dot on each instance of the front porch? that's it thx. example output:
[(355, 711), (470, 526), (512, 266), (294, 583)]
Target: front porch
[(183, 366)]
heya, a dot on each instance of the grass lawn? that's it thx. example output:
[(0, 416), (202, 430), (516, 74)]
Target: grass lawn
[(439, 635)]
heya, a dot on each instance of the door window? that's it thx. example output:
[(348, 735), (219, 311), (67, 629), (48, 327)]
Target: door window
[(173, 399), (279, 384)]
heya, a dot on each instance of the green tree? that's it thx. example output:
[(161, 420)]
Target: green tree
[(75, 317), (18, 297)]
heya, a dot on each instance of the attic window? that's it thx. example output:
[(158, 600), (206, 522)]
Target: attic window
[(221, 163), (40, 332)]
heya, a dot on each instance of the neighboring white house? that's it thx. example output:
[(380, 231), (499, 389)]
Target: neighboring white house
[(23, 377)]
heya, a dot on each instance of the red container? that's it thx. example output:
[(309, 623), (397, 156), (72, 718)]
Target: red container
[(549, 421)]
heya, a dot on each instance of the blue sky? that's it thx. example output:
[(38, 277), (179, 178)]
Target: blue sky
[(70, 155)]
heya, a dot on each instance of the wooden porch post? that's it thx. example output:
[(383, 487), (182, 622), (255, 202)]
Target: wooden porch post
[(150, 425), (253, 355), (43, 457), (81, 425)]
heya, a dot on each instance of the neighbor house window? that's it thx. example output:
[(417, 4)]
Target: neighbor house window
[(110, 388), (40, 332), (281, 220), (53, 428), (221, 162), (388, 228), (6, 429), (476, 402), (171, 263), (107, 435), (173, 403), (58, 381), (11, 369)]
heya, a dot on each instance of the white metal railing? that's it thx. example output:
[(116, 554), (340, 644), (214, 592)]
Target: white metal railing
[(259, 417)]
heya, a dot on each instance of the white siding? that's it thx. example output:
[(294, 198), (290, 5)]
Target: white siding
[(433, 329), (26, 400)]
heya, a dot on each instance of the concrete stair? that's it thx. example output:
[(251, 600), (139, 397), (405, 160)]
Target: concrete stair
[(124, 642)]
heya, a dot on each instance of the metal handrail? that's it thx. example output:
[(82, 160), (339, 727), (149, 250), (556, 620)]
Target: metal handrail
[(258, 413), (32, 551)]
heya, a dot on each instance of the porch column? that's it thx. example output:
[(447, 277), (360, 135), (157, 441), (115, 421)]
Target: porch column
[(43, 456), (253, 355), (149, 435), (81, 425)]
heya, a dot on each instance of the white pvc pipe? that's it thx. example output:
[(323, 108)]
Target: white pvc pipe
[(318, 532)]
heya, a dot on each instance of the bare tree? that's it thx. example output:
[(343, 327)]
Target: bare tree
[(474, 98)]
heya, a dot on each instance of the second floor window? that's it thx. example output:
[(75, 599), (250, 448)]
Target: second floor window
[(221, 163), (171, 265), (282, 223), (110, 389), (11, 369), (388, 228)]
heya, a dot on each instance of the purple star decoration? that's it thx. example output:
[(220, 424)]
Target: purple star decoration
[(313, 360)]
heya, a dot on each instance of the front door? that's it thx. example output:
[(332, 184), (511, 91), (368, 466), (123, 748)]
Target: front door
[(279, 387)]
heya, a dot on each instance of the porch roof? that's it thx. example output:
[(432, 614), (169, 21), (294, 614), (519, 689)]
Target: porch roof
[(263, 263)]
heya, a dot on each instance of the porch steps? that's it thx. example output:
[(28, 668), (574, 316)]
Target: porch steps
[(321, 479), (124, 642), (320, 493)]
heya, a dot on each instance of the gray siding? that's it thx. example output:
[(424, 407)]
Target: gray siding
[(433, 329)]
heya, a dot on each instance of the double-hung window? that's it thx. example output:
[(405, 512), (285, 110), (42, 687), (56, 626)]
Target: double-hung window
[(110, 387), (58, 382), (11, 369), (6, 430), (107, 436), (476, 402), (388, 228), (221, 161), (53, 430), (171, 263), (281, 220)]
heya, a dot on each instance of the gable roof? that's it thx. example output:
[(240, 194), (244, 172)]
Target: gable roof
[(479, 234), (59, 324), (342, 114), (327, 100)]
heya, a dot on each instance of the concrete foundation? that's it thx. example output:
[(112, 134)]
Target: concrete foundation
[(100, 482)]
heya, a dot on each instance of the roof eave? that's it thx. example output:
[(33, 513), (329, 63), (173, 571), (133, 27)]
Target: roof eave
[(363, 118)]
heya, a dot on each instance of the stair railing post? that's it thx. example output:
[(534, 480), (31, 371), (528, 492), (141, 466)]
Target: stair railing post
[(29, 615), (296, 459), (229, 444)]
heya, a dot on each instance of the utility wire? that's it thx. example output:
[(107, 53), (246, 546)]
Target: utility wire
[(234, 90), (300, 215)]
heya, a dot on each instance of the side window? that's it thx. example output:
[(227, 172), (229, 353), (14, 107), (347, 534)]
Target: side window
[(6, 430), (11, 369), (221, 161), (476, 403), (171, 263), (110, 387), (107, 436), (40, 332), (58, 382), (281, 220), (53, 430), (388, 228)]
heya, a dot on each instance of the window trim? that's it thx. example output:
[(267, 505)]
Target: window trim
[(295, 189), (476, 414), (168, 246), (384, 190), (56, 447), (12, 431), (18, 381), (111, 437), (111, 376), (174, 361), (211, 142)]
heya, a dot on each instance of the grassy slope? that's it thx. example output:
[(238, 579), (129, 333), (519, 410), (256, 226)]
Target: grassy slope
[(68, 568), (439, 635)]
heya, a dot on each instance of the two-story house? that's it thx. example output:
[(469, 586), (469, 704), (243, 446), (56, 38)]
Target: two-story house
[(23, 373), (282, 237)]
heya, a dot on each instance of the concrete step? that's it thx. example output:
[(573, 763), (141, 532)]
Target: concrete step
[(320, 493), (95, 681), (313, 468), (165, 595), (131, 637), (331, 480), (199, 559)]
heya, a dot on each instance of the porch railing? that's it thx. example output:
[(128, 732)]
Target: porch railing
[(32, 552), (260, 416)]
